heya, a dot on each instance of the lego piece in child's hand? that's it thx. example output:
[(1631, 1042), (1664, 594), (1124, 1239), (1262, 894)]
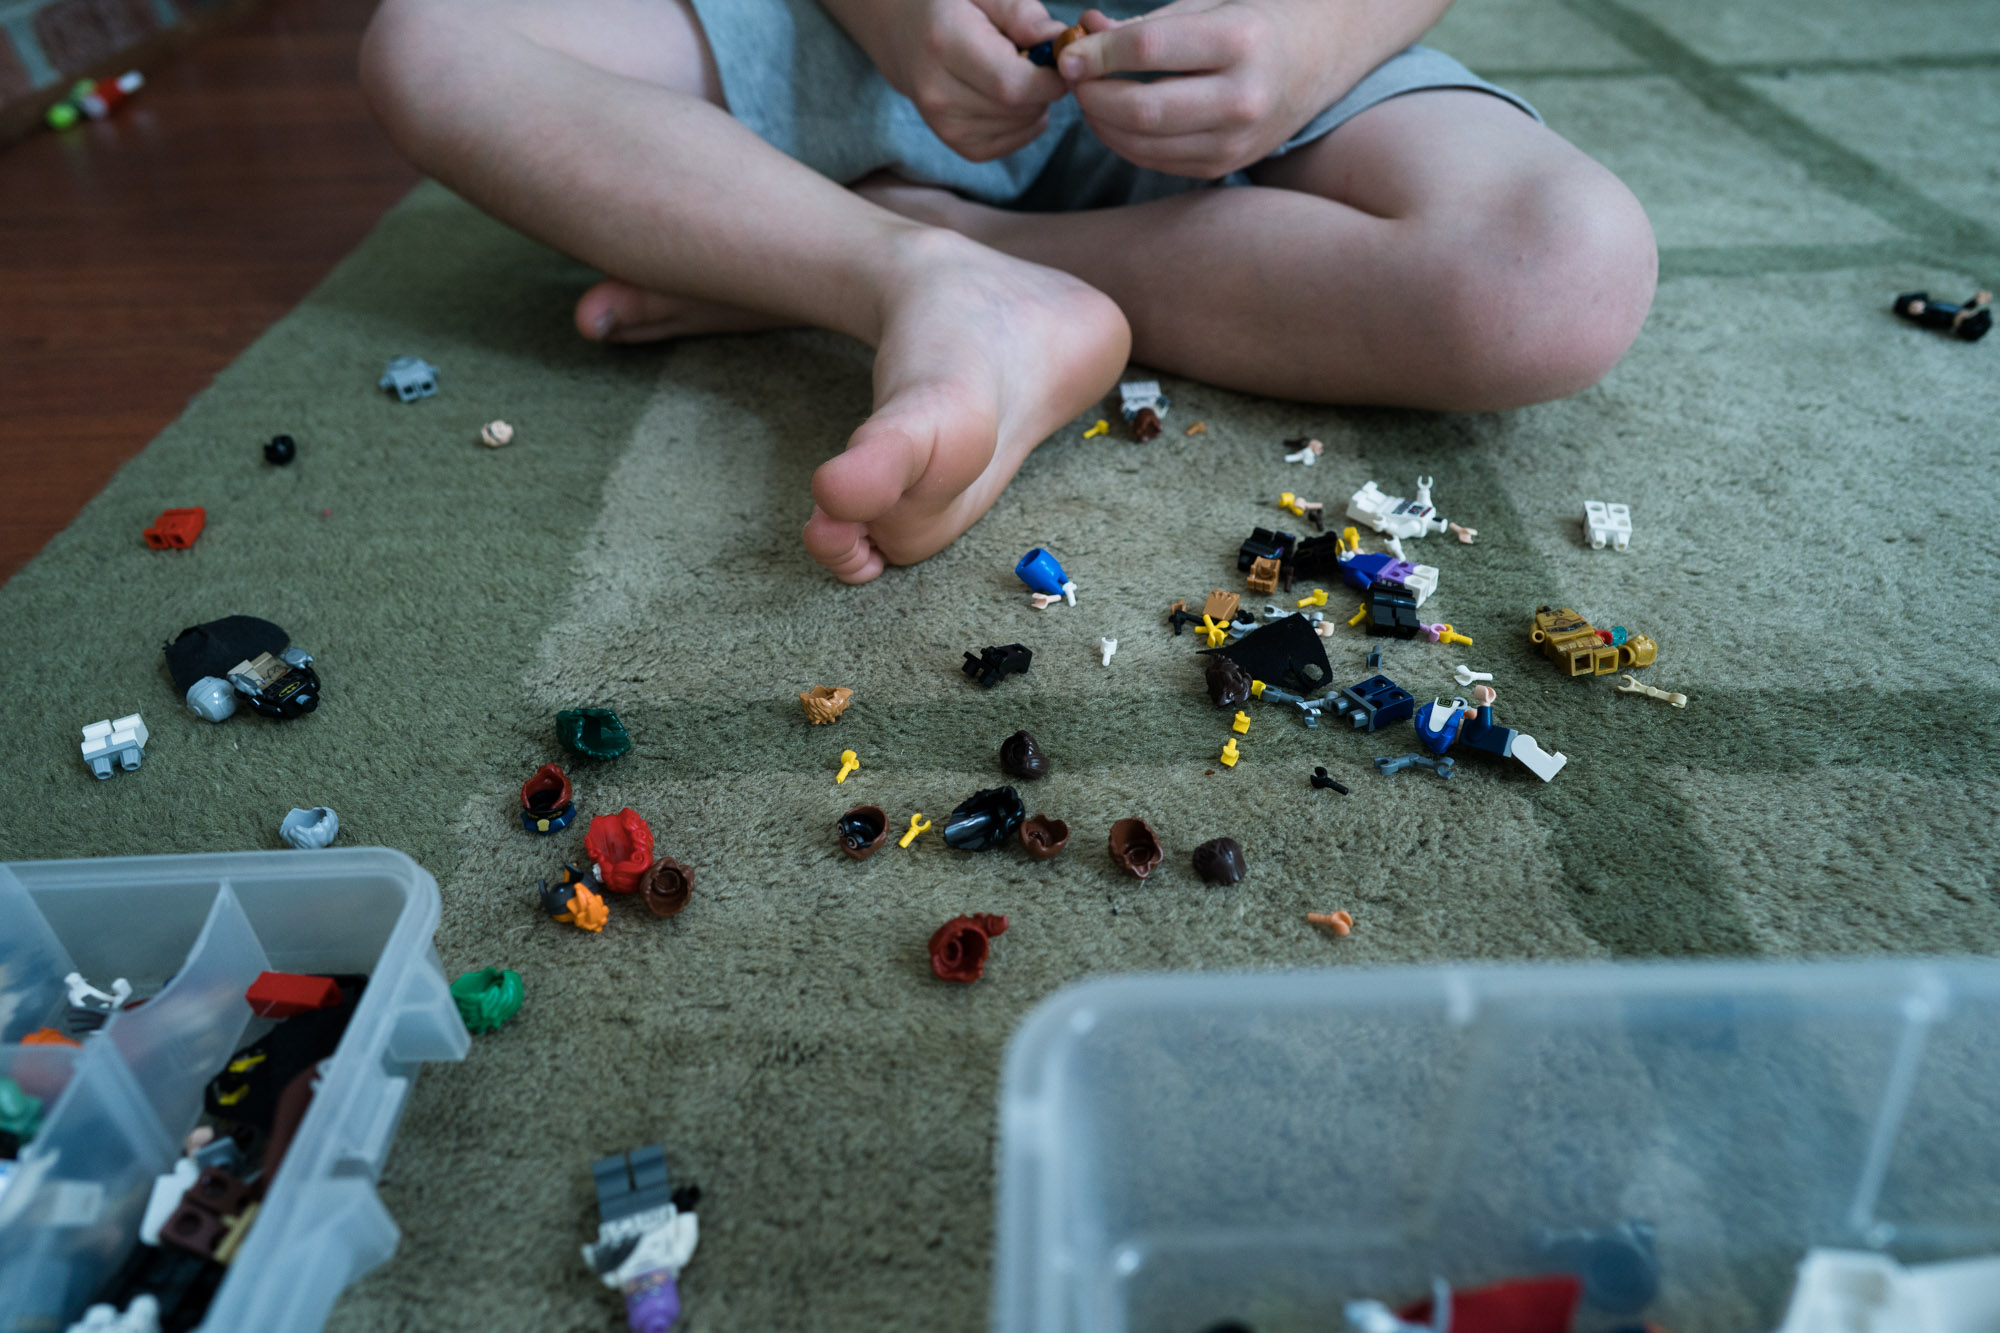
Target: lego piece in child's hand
[(1043, 837), (1045, 53)]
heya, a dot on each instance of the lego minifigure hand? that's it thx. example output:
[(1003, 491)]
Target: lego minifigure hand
[(960, 61)]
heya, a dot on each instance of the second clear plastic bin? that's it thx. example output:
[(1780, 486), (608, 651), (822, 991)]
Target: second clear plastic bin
[(1181, 1151)]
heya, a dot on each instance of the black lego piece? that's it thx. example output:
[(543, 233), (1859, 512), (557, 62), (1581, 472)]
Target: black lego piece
[(1392, 611), (281, 450), (1969, 320), (211, 649), (990, 665), (1284, 649), (1318, 558), (246, 1092), (1322, 780), (984, 820), (1264, 544)]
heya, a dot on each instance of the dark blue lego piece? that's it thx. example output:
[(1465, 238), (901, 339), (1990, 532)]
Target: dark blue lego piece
[(1374, 703), (631, 1183)]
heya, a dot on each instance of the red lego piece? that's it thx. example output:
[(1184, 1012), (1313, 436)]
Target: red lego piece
[(287, 994), (959, 946), (176, 529), (621, 846), (1525, 1305)]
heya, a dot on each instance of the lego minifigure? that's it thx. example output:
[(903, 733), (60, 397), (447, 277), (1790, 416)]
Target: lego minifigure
[(1393, 516), (1143, 407), (646, 1233), (1308, 452), (123, 740), (1968, 322)]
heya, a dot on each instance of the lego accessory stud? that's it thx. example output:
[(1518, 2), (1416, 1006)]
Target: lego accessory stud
[(825, 703), (1220, 861), (122, 740), (849, 762), (1607, 523), (176, 529), (667, 887), (309, 829), (1135, 848), (495, 434), (546, 801), (594, 733), (1021, 757), (488, 997), (281, 450), (959, 947), (1043, 837), (620, 848), (862, 831), (1044, 574), (409, 378), (984, 820)]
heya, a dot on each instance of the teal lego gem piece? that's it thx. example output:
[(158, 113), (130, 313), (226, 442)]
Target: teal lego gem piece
[(595, 733)]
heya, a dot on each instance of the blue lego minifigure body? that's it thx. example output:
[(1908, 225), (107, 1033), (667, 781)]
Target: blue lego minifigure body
[(1438, 724)]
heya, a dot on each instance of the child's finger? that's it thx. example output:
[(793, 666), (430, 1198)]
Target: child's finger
[(1022, 22), (1171, 106), (1207, 155), (988, 63), (1159, 44)]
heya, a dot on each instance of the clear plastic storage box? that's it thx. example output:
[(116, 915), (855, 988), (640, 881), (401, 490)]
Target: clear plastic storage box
[(1178, 1151), (192, 932)]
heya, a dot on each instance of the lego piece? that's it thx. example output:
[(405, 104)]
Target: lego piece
[(1392, 516), (1043, 574), (1441, 766), (277, 686), (176, 529), (1374, 703), (1619, 1266), (825, 703), (1464, 534), (83, 995), (1143, 406), (959, 947), (1568, 640), (862, 831), (984, 820), (849, 763), (1264, 544), (1524, 1305), (20, 1114), (1043, 837), (1445, 634), (1483, 696), (1286, 649), (546, 801), (1198, 428), (409, 378), (1021, 757), (1465, 675), (918, 825), (123, 740), (1392, 611), (1309, 709), (667, 887), (169, 1188), (1230, 754), (646, 1233), (1102, 427), (1220, 861), (1316, 598), (487, 998), (1222, 605), (1340, 923), (1968, 322), (595, 733), (992, 665), (1438, 724), (573, 900), (1263, 576), (48, 1037), (212, 698), (1535, 759), (620, 848), (289, 994), (202, 656), (1107, 647), (1860, 1291), (496, 434), (1215, 634), (1308, 452), (1042, 601), (1360, 614), (1607, 522), (1135, 848), (141, 1316), (1290, 504), (1045, 53), (1241, 725), (307, 830), (1374, 659), (1322, 780), (1634, 686), (197, 1225), (281, 450)]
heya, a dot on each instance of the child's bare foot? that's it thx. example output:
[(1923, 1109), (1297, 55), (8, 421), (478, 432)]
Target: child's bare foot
[(618, 312), (981, 356)]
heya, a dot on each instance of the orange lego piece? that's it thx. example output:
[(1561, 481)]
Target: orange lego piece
[(586, 911), (175, 529), (48, 1037), (1263, 576), (824, 703), (1340, 923)]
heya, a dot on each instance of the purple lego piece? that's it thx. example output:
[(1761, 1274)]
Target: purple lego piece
[(652, 1302), (1358, 571)]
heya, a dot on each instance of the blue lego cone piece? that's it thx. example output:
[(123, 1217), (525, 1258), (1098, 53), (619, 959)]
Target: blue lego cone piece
[(1040, 571)]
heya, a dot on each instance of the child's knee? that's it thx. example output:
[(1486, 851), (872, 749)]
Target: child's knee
[(406, 57), (1557, 294)]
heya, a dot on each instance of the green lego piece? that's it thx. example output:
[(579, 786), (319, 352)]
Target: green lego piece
[(487, 998), (593, 732), (20, 1114)]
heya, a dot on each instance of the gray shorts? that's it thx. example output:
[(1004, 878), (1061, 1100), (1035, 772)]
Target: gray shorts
[(794, 76)]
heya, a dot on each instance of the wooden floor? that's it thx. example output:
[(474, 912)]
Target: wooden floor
[(140, 255)]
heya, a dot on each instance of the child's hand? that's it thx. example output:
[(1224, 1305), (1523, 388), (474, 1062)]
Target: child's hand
[(1250, 74), (960, 61)]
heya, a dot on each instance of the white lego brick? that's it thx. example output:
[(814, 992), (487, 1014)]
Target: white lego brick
[(1423, 581), (1535, 759), (1607, 523)]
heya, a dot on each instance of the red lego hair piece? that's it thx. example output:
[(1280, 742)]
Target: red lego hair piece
[(288, 994), (1526, 1305), (175, 529), (621, 846), (959, 946)]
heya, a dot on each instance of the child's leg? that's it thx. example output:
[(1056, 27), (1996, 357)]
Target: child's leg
[(1440, 250), (591, 126)]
